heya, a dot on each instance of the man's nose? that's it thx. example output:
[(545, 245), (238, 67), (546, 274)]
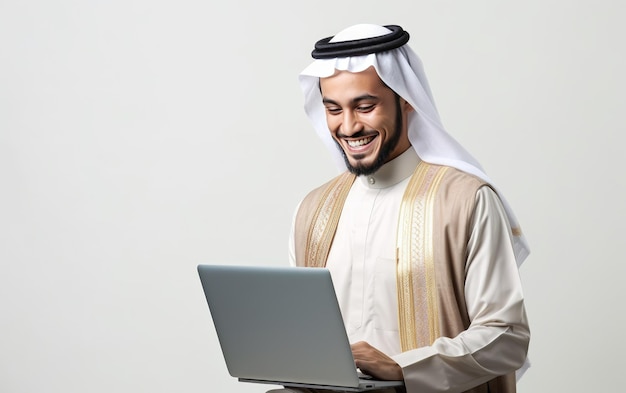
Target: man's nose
[(350, 124)]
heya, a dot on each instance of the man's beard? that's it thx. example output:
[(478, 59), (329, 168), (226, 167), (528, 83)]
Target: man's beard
[(385, 151)]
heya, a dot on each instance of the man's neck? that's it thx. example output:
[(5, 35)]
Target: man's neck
[(393, 172)]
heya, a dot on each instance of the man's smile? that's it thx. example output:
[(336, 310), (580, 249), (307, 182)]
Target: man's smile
[(360, 142)]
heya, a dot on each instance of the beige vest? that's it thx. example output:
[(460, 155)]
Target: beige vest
[(433, 230)]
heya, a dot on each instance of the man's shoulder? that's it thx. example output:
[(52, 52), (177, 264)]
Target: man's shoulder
[(457, 178), (456, 187)]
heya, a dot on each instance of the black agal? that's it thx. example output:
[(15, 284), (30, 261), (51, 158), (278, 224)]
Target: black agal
[(324, 49)]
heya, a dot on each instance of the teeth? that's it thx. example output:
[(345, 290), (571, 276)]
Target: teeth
[(360, 142)]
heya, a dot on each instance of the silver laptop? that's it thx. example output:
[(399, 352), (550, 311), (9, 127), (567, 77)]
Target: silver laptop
[(282, 326)]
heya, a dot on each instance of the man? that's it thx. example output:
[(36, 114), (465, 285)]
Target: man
[(422, 248)]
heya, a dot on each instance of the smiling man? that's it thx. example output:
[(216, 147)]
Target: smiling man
[(422, 248), (366, 119)]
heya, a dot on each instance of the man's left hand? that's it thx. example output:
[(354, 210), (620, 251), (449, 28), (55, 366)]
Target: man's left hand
[(373, 362)]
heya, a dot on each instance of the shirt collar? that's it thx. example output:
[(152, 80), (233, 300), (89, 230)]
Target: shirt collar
[(392, 172)]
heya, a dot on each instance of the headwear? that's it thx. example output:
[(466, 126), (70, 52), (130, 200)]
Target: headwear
[(361, 46), (325, 49)]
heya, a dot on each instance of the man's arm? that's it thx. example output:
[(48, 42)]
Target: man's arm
[(496, 341)]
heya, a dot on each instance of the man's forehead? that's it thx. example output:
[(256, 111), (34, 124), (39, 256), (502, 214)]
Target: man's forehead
[(363, 81), (369, 74)]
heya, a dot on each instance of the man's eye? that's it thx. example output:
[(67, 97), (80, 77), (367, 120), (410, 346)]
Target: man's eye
[(365, 108), (333, 110)]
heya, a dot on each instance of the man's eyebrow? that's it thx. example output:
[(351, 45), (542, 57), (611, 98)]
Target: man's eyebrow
[(355, 100), (329, 101)]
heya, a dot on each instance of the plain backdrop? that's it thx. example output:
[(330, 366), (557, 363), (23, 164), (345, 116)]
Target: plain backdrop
[(139, 138)]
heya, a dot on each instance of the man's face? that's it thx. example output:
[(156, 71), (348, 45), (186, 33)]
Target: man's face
[(366, 119)]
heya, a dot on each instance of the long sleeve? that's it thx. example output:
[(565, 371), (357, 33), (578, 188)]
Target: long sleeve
[(497, 340)]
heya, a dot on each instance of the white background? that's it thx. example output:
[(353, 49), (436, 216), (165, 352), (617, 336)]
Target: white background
[(140, 138)]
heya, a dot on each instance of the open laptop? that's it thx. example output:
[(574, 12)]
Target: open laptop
[(282, 326)]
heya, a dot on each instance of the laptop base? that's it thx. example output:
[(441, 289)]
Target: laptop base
[(365, 385)]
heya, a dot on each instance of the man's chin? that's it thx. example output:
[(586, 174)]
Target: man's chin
[(363, 164), (362, 168)]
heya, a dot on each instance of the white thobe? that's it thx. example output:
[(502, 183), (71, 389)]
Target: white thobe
[(362, 262)]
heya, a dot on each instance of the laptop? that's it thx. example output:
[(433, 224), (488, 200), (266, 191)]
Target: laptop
[(282, 326)]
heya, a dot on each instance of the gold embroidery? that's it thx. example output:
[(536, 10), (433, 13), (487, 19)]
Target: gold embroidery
[(406, 312), (417, 292), (325, 220)]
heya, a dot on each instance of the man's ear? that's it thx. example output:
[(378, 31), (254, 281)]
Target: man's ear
[(407, 107)]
